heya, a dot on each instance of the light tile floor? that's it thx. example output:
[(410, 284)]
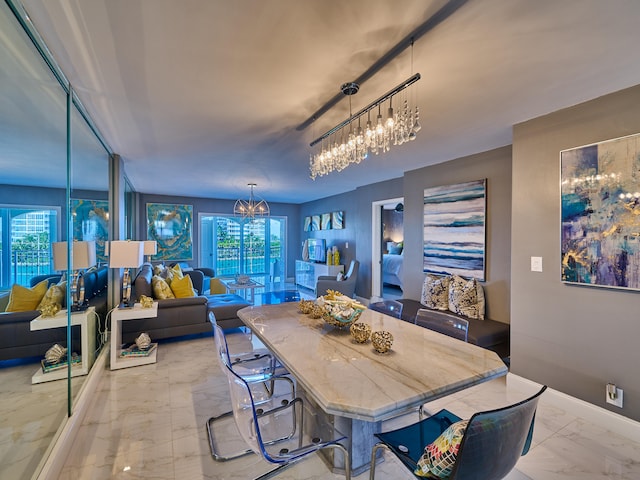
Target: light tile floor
[(149, 422)]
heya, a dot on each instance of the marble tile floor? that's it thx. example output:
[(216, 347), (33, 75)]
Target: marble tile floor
[(30, 416), (148, 422)]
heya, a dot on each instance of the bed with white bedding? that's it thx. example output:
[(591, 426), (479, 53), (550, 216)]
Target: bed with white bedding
[(392, 269)]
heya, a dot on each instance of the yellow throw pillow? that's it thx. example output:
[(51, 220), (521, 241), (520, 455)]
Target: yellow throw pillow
[(182, 287), (177, 271), (53, 296), (216, 286), (161, 289), (24, 299)]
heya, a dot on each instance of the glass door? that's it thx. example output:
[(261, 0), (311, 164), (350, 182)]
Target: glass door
[(232, 245)]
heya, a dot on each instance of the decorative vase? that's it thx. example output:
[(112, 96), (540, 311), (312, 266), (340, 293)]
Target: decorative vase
[(360, 332), (382, 341), (143, 342)]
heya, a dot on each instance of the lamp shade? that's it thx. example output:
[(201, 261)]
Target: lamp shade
[(83, 255), (125, 254), (150, 247)]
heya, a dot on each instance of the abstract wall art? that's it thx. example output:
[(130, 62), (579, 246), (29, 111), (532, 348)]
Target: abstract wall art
[(307, 224), (315, 222), (91, 222), (337, 220), (600, 214), (171, 226), (325, 221), (454, 229)]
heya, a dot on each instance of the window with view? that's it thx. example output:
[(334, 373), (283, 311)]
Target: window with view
[(232, 245), (25, 243)]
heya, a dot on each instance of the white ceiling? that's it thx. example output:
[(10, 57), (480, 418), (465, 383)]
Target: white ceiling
[(201, 97)]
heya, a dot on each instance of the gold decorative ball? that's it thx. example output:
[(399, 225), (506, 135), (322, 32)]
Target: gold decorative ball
[(360, 332), (382, 341), (316, 311), (50, 310), (305, 306)]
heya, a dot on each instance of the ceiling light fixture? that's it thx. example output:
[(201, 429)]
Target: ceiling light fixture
[(254, 207), (348, 143)]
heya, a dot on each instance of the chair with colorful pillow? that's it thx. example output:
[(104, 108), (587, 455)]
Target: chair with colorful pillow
[(487, 446)]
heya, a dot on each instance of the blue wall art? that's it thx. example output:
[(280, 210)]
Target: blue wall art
[(600, 238), (91, 222), (171, 225), (454, 229)]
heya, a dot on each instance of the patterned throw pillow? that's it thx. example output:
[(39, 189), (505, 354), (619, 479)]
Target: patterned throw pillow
[(438, 457), (161, 289), (435, 292), (466, 297), (182, 287), (216, 286), (55, 295), (23, 299)]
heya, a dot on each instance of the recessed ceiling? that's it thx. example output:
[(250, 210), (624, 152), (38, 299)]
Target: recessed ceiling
[(201, 97)]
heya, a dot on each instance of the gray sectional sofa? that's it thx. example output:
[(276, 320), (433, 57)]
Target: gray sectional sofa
[(182, 316)]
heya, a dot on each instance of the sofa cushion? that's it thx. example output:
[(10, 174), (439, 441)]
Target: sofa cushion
[(24, 299), (143, 282), (466, 297), (226, 306), (182, 287), (217, 287), (161, 290), (54, 296), (435, 292)]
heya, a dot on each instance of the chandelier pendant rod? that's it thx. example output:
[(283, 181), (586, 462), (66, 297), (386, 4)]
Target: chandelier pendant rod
[(375, 103)]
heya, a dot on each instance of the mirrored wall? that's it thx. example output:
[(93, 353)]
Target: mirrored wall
[(54, 189)]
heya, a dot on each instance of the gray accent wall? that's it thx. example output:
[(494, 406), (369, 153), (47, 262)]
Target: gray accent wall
[(495, 166), (573, 338)]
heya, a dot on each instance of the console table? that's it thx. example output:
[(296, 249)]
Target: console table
[(307, 273), (87, 322), (119, 315)]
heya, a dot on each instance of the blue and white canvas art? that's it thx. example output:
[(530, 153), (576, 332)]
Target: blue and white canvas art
[(170, 226), (454, 229), (600, 237)]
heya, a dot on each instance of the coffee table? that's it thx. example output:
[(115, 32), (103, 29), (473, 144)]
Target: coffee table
[(251, 285)]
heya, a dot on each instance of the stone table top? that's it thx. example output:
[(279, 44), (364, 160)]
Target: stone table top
[(352, 380)]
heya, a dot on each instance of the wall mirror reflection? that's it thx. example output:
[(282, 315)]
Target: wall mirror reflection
[(46, 197)]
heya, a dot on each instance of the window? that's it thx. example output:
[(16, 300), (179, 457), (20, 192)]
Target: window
[(232, 245), (25, 243)]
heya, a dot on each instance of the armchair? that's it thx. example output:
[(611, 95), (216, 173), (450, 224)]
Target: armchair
[(346, 287)]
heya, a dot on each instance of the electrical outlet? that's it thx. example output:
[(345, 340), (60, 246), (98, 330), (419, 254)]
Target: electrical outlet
[(536, 264), (614, 395)]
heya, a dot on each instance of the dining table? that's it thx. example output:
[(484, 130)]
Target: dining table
[(351, 386)]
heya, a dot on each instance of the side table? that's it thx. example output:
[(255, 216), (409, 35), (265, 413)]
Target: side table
[(119, 315), (87, 322), (233, 286)]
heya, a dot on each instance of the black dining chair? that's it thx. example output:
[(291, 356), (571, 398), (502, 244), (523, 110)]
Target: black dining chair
[(444, 323), (490, 447), (392, 308)]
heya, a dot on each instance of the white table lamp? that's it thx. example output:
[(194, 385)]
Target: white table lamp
[(126, 254), (83, 256)]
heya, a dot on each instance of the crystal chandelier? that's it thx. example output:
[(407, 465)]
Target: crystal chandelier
[(348, 142), (254, 207)]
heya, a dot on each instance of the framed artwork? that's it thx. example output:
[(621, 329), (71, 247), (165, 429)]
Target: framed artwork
[(325, 221), (171, 226), (600, 231), (307, 224), (91, 222), (315, 222), (337, 220), (454, 229)]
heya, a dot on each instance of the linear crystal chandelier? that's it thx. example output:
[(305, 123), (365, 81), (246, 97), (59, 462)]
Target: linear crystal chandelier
[(351, 142), (253, 207)]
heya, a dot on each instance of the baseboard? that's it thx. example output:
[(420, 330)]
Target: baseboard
[(60, 448), (597, 415)]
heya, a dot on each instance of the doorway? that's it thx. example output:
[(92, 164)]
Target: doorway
[(387, 221)]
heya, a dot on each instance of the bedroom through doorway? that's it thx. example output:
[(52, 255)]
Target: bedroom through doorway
[(387, 249)]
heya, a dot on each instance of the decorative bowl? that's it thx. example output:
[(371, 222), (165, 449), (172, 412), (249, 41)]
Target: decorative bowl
[(55, 354), (360, 332), (305, 306), (242, 279), (382, 341), (342, 318)]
